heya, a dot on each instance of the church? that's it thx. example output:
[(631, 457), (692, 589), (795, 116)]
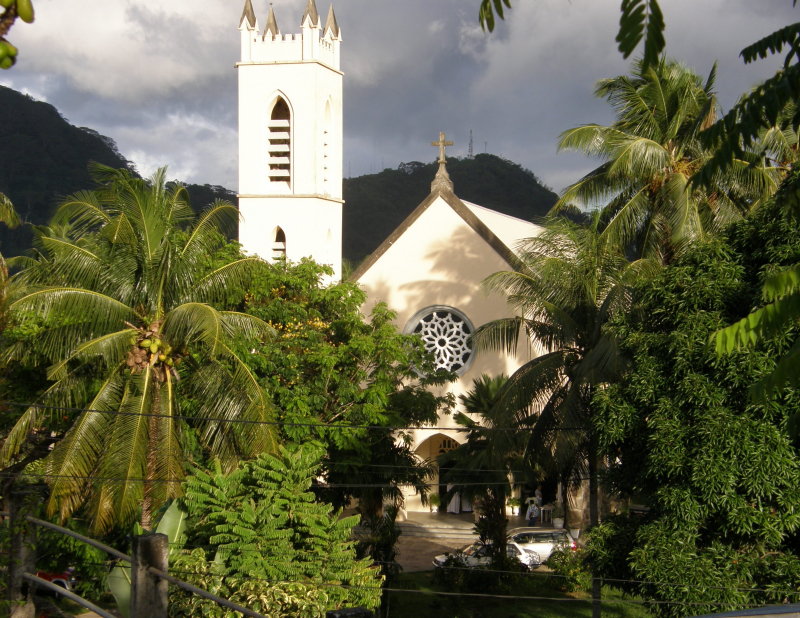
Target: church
[(429, 270)]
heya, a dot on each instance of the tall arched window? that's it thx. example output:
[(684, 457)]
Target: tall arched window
[(279, 244), (280, 151)]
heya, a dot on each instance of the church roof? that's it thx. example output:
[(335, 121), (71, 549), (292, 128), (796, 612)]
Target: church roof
[(501, 232), (248, 14), (331, 24), (311, 13)]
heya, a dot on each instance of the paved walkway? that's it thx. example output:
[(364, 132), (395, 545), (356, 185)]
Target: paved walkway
[(425, 535)]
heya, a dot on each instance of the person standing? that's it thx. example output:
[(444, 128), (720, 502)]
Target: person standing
[(534, 511), (537, 494)]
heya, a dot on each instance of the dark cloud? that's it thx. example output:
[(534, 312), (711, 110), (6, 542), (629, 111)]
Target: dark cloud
[(159, 79)]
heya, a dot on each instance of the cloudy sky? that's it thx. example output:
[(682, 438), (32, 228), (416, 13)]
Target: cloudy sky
[(158, 78)]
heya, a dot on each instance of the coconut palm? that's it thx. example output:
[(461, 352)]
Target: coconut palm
[(123, 289), (570, 284), (650, 153)]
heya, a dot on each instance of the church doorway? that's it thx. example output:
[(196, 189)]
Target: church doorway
[(430, 449)]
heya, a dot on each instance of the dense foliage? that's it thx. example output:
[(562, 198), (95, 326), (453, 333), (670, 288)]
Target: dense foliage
[(260, 527), (719, 471)]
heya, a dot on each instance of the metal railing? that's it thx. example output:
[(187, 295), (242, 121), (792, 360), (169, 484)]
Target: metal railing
[(21, 566)]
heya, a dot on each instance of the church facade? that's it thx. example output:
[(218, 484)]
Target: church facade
[(429, 270)]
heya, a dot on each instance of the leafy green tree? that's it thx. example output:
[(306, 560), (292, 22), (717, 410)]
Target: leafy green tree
[(718, 471), (261, 526), (120, 298), (781, 297), (340, 378), (649, 155)]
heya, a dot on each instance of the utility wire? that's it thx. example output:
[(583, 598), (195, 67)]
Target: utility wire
[(117, 479), (481, 595), (275, 423)]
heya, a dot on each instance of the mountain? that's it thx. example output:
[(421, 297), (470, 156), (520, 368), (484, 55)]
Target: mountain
[(376, 204), (44, 158)]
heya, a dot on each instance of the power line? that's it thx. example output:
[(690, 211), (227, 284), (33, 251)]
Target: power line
[(489, 595), (118, 479), (277, 423)]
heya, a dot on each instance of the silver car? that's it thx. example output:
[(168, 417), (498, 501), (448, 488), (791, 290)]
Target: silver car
[(542, 541), (477, 555)]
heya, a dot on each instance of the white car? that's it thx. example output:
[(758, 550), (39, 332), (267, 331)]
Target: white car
[(542, 541), (478, 555)]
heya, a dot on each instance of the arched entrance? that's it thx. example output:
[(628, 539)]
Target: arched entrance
[(429, 450)]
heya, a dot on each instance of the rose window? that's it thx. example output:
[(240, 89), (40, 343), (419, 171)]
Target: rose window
[(445, 333)]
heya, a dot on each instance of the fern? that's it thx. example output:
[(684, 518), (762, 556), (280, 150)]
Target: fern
[(262, 523)]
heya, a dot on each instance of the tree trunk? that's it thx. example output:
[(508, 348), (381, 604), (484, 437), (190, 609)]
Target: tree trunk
[(594, 517)]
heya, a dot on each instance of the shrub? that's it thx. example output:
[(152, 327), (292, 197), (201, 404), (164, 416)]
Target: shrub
[(571, 570)]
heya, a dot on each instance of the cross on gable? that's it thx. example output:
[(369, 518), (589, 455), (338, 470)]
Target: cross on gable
[(442, 143)]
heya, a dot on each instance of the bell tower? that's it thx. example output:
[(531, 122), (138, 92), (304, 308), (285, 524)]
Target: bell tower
[(290, 138)]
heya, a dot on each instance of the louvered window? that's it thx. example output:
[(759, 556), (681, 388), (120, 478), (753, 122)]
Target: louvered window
[(280, 146)]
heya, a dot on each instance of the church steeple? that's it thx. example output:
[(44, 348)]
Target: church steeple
[(272, 24), (441, 182), (248, 18), (331, 26), (310, 14)]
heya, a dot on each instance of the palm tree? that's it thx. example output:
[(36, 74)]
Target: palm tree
[(571, 283), (9, 217), (481, 468), (649, 155), (122, 289)]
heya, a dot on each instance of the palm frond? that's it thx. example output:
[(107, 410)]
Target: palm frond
[(638, 157), (83, 211), (8, 216), (221, 217), (124, 465), (74, 459), (236, 274), (109, 349), (501, 334), (627, 219), (683, 216)]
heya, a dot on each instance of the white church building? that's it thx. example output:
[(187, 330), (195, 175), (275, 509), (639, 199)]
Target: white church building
[(429, 270)]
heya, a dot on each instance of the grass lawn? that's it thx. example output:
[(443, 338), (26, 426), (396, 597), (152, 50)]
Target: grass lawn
[(419, 605)]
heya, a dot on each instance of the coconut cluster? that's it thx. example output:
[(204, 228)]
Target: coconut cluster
[(149, 350)]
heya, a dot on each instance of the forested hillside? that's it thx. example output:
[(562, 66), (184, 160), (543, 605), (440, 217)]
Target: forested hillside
[(377, 203), (43, 158)]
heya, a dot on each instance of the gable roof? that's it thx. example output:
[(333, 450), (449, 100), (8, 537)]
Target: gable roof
[(494, 227)]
